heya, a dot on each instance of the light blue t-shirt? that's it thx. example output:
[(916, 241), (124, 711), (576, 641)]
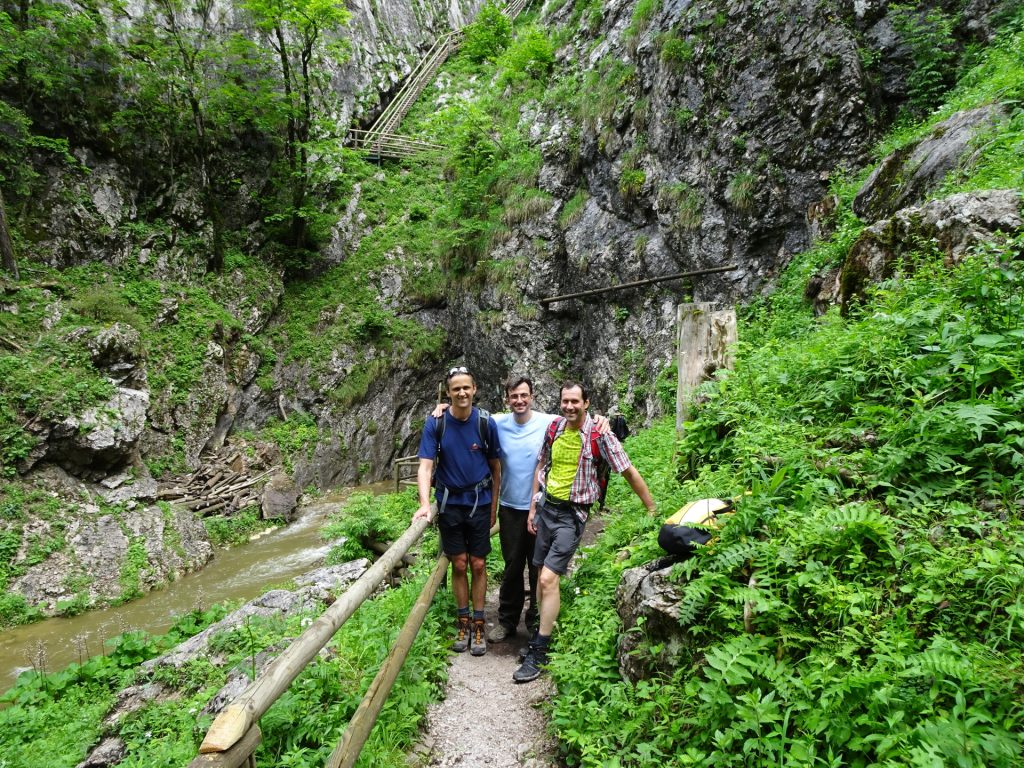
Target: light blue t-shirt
[(520, 447)]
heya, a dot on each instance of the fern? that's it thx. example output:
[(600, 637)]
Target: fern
[(735, 662)]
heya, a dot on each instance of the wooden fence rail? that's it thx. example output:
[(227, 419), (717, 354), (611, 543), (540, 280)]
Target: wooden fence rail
[(636, 284), (402, 474), (238, 718), (359, 727), (390, 144)]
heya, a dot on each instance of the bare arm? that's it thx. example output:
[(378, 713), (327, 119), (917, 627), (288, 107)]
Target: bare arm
[(636, 482), (495, 487), (531, 525), (423, 475)]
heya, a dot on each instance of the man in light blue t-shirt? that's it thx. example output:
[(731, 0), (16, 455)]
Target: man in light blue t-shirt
[(521, 433)]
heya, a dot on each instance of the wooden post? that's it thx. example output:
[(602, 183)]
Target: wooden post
[(242, 713), (705, 339), (240, 754), (362, 722)]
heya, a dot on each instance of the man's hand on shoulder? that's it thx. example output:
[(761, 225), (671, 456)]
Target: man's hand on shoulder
[(602, 425), (439, 410)]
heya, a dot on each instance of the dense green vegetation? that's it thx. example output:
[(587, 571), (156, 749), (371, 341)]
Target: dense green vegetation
[(882, 455)]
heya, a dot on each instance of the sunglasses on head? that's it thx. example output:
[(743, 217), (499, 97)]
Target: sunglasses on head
[(457, 370)]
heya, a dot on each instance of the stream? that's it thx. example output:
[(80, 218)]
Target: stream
[(239, 573)]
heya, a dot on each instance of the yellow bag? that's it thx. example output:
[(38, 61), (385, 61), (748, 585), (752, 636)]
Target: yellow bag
[(678, 536)]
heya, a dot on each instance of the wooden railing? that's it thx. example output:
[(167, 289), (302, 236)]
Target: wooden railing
[(390, 144), (514, 7), (418, 79), (402, 474), (234, 734)]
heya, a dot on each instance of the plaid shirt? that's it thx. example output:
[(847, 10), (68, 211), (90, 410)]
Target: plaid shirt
[(585, 487)]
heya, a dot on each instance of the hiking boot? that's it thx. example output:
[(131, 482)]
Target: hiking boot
[(478, 645), (462, 638), (530, 669), (500, 633)]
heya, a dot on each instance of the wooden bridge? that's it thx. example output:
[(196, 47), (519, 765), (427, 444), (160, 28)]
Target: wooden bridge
[(381, 139)]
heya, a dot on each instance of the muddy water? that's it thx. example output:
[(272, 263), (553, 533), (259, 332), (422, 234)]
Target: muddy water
[(240, 573)]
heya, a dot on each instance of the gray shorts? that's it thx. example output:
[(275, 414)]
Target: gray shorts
[(559, 530)]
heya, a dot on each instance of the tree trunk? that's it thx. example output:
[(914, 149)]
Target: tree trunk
[(7, 260), (706, 336)]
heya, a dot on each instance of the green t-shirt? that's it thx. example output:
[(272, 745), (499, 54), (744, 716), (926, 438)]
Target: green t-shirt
[(565, 458)]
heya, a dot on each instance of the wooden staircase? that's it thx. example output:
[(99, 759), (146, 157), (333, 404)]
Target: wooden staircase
[(380, 139)]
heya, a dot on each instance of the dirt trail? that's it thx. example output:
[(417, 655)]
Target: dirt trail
[(485, 718)]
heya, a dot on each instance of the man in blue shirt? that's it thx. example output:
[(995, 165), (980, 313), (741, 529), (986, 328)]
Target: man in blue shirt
[(466, 480)]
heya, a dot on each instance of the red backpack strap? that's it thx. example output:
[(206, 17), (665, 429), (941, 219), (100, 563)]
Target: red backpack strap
[(552, 428)]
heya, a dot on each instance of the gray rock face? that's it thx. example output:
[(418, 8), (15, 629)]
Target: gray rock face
[(101, 438), (646, 596), (94, 559), (905, 177), (954, 224), (117, 351)]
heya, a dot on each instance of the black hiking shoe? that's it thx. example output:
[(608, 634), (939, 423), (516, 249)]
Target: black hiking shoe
[(462, 638), (478, 645), (530, 669)]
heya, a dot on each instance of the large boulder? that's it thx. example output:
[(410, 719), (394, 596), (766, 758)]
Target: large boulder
[(652, 640), (103, 437), (280, 496), (953, 224), (910, 173)]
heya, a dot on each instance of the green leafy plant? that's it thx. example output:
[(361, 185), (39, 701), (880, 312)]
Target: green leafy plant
[(488, 36)]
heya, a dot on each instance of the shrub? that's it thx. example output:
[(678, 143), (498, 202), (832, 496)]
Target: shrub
[(683, 204), (487, 36), (530, 57), (677, 52), (631, 183)]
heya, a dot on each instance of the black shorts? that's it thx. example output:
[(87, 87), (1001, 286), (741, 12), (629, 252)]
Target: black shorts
[(559, 530), (464, 530)]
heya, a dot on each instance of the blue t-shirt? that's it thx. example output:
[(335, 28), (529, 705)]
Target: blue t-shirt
[(520, 447), (463, 463)]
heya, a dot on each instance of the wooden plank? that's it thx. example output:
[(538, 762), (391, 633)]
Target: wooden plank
[(706, 335), (637, 283)]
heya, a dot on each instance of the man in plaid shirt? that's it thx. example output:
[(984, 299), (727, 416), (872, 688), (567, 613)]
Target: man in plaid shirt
[(571, 488)]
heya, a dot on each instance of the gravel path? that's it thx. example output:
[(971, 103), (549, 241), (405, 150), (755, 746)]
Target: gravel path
[(485, 718)]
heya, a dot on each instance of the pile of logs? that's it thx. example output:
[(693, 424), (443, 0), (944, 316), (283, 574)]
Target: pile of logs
[(222, 486)]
